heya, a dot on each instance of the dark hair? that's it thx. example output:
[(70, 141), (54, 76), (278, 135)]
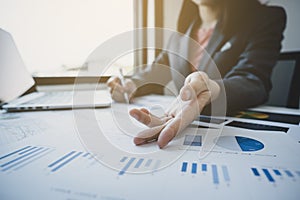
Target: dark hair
[(233, 14)]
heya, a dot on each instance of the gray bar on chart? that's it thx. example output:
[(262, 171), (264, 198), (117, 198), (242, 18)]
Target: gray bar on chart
[(139, 162), (215, 174), (148, 163), (225, 173), (157, 163)]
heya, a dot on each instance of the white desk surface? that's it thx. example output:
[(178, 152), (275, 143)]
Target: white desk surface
[(89, 154)]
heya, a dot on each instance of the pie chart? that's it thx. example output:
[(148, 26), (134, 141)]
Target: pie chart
[(239, 143)]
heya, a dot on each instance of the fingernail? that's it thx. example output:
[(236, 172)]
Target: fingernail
[(135, 116)]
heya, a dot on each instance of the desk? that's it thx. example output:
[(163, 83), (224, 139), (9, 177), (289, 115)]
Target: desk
[(89, 154)]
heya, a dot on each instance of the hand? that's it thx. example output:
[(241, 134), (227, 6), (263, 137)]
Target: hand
[(117, 90), (197, 92)]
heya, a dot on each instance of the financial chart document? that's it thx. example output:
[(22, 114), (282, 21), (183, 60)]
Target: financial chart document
[(89, 154)]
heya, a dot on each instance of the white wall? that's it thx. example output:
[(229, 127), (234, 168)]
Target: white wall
[(292, 32)]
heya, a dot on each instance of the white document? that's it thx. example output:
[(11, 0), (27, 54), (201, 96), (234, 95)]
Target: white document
[(89, 154)]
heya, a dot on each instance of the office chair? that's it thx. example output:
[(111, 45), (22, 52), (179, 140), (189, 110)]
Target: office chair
[(286, 81)]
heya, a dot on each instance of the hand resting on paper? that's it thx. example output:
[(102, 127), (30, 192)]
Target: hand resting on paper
[(197, 92)]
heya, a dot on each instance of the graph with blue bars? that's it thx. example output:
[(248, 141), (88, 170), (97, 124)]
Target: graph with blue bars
[(22, 157), (218, 172), (68, 159), (29, 155), (134, 164), (273, 175)]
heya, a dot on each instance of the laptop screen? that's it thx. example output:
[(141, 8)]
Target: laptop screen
[(14, 77)]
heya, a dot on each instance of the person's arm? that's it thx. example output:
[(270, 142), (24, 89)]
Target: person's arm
[(154, 77), (248, 83)]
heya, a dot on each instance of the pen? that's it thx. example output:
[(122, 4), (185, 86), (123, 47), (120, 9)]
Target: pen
[(123, 83)]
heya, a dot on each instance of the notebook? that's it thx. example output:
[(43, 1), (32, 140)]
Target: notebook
[(15, 80)]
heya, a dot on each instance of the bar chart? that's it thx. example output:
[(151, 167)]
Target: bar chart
[(218, 173), (272, 175), (138, 165), (22, 157), (70, 158)]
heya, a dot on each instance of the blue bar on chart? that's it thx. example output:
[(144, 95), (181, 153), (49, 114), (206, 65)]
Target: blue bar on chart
[(277, 172), (64, 160), (289, 173), (86, 155), (123, 159), (215, 174), (61, 159), (23, 152), (184, 167), (255, 172), (22, 157), (139, 162), (126, 167), (63, 163), (38, 156), (225, 173), (194, 168), (204, 167), (268, 175), (26, 161), (14, 152)]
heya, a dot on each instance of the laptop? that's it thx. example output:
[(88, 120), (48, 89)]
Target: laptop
[(17, 87)]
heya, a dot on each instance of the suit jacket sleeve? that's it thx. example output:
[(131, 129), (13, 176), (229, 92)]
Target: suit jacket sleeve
[(153, 77)]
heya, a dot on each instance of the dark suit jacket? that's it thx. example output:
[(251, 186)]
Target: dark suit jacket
[(244, 60)]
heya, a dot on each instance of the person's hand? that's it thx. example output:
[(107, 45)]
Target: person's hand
[(197, 92), (117, 90)]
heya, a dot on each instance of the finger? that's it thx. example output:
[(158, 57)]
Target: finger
[(145, 117), (148, 135), (119, 88), (184, 117), (162, 120), (195, 84), (112, 81), (169, 132), (117, 96)]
